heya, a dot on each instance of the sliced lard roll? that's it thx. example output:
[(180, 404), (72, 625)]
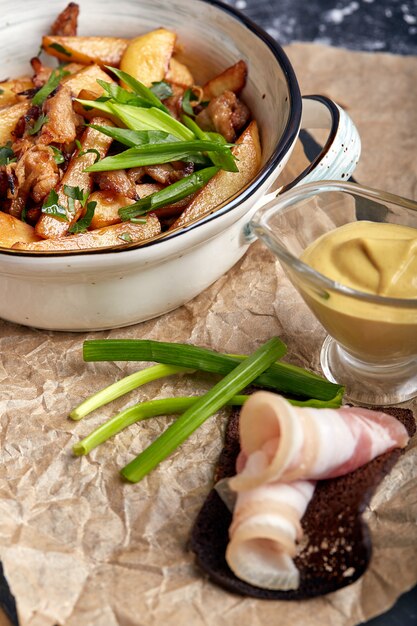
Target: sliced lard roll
[(288, 443), (264, 531)]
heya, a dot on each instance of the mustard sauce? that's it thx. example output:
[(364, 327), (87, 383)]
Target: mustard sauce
[(368, 256), (374, 258)]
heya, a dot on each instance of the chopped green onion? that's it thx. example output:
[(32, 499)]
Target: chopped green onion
[(122, 96), (6, 154), (42, 119), (24, 214), (236, 380), (50, 86), (105, 106), (75, 193), (281, 377), (84, 222), (61, 49), (177, 191), (58, 156), (90, 151), (154, 154), (226, 160), (138, 118), (52, 207), (139, 88), (188, 97), (134, 138), (137, 413), (161, 89)]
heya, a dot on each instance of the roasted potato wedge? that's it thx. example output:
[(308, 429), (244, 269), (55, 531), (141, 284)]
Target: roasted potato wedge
[(13, 230), (108, 237), (225, 185), (179, 74), (9, 118), (86, 50), (147, 57), (232, 79), (49, 226), (86, 79), (10, 88), (91, 113), (107, 208)]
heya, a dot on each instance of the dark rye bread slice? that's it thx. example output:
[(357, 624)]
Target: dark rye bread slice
[(337, 544)]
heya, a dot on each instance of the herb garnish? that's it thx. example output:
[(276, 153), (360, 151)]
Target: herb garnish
[(162, 90), (75, 193), (58, 156), (188, 97), (134, 138), (61, 49), (155, 154), (126, 237), (24, 214), (82, 152), (52, 207), (51, 84), (6, 154), (83, 223), (42, 119), (177, 191)]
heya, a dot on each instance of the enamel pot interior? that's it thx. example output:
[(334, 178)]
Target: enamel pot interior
[(212, 36)]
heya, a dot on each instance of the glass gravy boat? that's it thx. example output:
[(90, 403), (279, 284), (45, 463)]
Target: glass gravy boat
[(372, 342)]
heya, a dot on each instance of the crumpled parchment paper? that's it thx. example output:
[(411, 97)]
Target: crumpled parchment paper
[(81, 548)]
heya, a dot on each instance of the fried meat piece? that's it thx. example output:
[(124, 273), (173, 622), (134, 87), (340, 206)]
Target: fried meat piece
[(35, 174), (66, 23), (169, 173), (225, 114), (61, 124), (41, 72), (116, 181)]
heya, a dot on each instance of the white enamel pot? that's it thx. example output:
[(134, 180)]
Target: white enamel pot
[(100, 290)]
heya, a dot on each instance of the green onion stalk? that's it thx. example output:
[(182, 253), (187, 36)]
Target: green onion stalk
[(237, 379), (280, 377), (137, 413)]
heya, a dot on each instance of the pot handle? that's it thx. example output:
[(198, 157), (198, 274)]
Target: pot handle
[(340, 154), (338, 157)]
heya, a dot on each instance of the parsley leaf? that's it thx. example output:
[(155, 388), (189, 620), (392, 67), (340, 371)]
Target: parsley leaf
[(42, 119), (61, 49), (6, 154), (162, 89), (23, 214), (50, 85), (52, 207), (188, 97), (58, 156), (82, 152), (75, 193), (83, 223)]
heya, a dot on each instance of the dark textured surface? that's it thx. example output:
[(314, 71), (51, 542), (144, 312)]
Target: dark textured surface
[(372, 25), (7, 601), (339, 540)]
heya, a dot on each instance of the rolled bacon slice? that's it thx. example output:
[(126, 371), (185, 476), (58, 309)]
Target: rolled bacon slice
[(287, 443), (264, 531)]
